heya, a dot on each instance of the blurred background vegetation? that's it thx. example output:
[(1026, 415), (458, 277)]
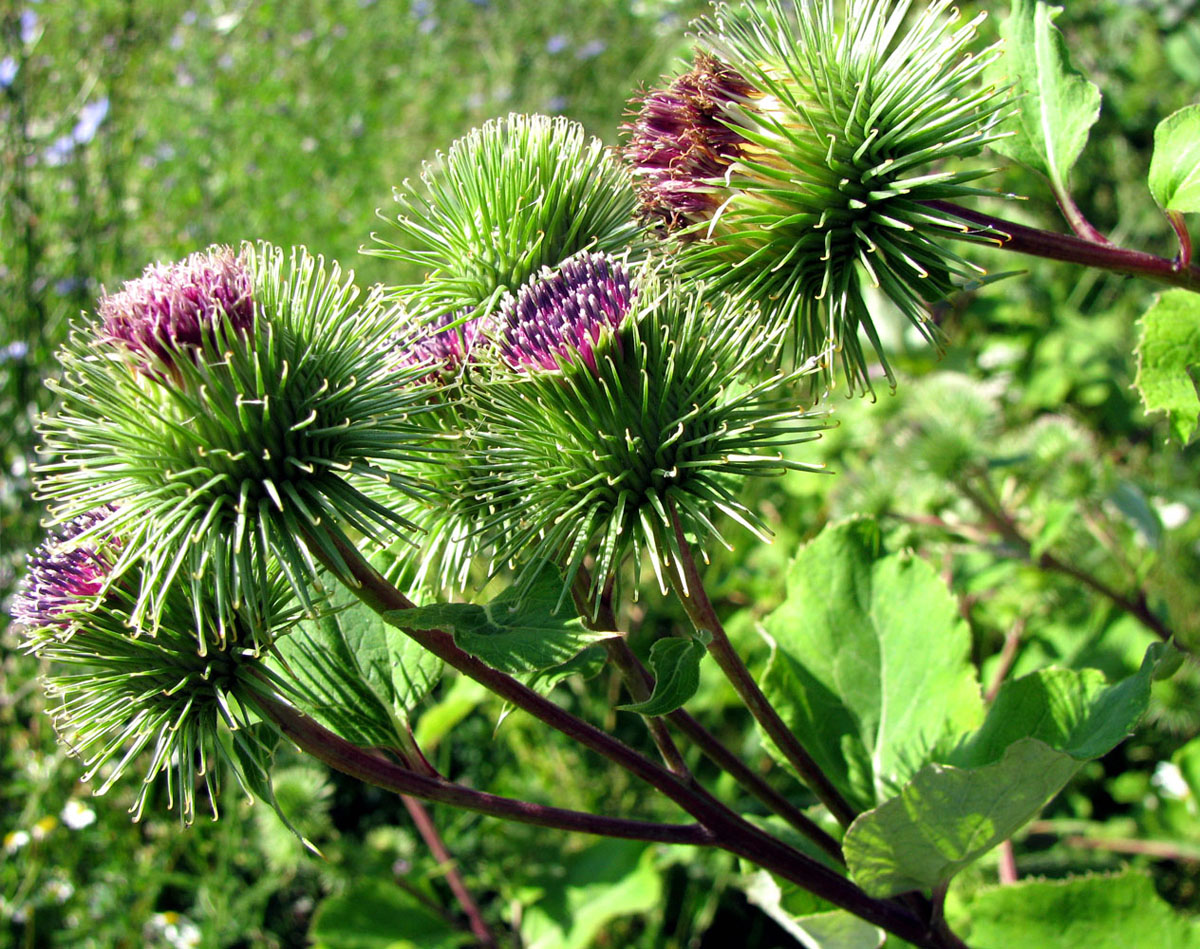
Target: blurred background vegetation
[(1021, 462)]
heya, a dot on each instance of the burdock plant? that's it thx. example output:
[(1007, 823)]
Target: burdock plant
[(795, 162), (240, 433)]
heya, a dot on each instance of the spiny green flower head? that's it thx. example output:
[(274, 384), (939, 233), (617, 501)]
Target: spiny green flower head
[(120, 696), (796, 159), (642, 411), (511, 197), (224, 450)]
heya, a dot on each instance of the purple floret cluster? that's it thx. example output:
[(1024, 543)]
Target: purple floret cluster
[(175, 309), (681, 143), (442, 346), (63, 574), (564, 313)]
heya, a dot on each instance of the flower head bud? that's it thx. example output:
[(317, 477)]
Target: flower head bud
[(123, 699), (799, 159), (562, 315), (66, 573), (511, 197), (182, 307)]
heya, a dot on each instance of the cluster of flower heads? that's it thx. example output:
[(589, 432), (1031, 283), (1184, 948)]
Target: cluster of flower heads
[(273, 419)]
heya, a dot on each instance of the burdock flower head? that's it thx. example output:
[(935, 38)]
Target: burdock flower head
[(801, 155), (563, 315), (182, 307), (119, 694), (629, 406), (513, 196), (282, 436), (682, 144), (66, 573)]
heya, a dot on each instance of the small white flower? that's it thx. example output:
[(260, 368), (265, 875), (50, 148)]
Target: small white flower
[(59, 890), (1174, 515), (15, 841), (178, 931), (1170, 782), (77, 815)]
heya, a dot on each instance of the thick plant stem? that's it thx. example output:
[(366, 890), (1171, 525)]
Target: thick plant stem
[(689, 587), (640, 681), (433, 840), (314, 739), (1077, 250), (725, 828), (621, 655)]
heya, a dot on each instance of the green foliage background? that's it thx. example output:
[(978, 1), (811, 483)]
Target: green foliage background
[(291, 122)]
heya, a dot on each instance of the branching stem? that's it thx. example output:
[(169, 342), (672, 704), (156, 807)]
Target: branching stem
[(720, 826), (1136, 605), (1071, 248), (312, 737), (690, 589), (635, 673)]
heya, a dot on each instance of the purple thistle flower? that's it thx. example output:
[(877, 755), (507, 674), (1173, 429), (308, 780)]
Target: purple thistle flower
[(177, 308), (442, 347), (680, 145), (63, 574), (560, 314)]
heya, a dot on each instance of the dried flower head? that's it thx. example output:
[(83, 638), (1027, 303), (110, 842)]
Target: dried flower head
[(681, 142), (181, 307), (562, 314), (513, 196), (837, 132)]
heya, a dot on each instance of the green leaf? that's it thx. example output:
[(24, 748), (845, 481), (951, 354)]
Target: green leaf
[(517, 632), (1056, 107), (608, 879), (1037, 735), (859, 638), (1175, 165), (792, 909), (374, 914), (1100, 912), (586, 665), (355, 673), (1169, 347), (454, 705), (676, 664)]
